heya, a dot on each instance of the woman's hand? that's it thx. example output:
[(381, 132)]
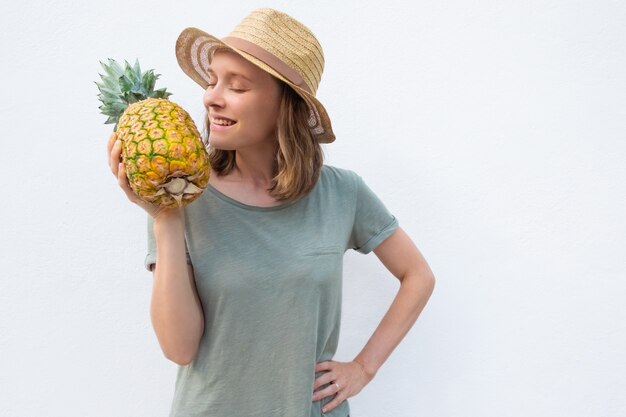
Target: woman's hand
[(114, 149), (347, 380)]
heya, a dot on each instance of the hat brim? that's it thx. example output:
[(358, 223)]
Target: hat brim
[(193, 48)]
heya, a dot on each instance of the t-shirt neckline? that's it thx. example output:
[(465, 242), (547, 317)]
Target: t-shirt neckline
[(237, 203)]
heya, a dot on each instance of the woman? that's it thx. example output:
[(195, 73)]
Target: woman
[(247, 280)]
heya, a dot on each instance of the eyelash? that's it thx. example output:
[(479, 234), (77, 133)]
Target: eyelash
[(238, 90)]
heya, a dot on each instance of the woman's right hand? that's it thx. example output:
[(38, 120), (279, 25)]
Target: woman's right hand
[(114, 149)]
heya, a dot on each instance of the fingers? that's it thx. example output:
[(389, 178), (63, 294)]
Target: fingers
[(123, 181), (333, 389), (110, 142), (115, 157), (323, 366), (329, 390), (345, 380), (114, 149), (334, 403), (111, 151), (324, 379)]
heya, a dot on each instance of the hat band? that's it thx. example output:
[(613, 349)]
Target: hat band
[(269, 58)]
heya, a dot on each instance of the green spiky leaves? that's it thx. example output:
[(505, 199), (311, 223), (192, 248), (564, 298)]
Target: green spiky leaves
[(121, 87)]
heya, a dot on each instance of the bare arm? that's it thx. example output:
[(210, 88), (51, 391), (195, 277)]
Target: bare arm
[(175, 310), (402, 258)]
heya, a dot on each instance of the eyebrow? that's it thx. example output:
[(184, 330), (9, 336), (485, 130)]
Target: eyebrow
[(230, 73)]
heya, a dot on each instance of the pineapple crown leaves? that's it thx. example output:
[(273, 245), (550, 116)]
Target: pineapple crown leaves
[(123, 86)]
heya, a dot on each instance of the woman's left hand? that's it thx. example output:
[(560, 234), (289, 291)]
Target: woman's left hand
[(347, 379)]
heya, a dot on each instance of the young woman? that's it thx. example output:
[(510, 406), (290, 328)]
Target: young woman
[(247, 280)]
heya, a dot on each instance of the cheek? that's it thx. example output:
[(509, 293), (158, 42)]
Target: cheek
[(270, 110), (262, 113)]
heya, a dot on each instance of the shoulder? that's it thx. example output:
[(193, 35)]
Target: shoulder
[(341, 181), (339, 177), (347, 184)]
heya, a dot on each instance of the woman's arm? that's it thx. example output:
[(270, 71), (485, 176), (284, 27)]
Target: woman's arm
[(175, 310), (402, 258), (405, 262)]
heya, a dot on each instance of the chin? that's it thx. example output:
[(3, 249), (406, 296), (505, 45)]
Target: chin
[(218, 144)]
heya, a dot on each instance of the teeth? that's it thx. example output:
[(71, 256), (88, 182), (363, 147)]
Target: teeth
[(222, 122)]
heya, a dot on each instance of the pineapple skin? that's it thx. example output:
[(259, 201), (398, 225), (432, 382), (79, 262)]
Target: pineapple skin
[(161, 146)]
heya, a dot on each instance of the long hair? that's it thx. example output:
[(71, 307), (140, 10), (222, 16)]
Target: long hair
[(298, 156)]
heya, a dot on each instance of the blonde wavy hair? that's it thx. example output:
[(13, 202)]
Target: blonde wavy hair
[(298, 156)]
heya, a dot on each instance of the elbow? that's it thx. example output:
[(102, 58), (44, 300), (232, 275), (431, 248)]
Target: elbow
[(424, 282), (181, 353), (432, 281), (426, 276), (429, 283), (180, 346), (181, 362), (181, 358), (425, 286)]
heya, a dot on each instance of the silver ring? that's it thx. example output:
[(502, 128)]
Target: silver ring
[(337, 386)]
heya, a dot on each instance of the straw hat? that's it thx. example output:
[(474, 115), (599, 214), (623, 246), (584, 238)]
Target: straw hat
[(275, 42)]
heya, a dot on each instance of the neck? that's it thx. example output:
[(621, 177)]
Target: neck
[(254, 166)]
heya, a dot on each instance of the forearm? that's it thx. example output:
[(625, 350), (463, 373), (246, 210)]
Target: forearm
[(175, 310), (414, 292)]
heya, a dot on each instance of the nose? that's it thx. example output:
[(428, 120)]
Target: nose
[(213, 97)]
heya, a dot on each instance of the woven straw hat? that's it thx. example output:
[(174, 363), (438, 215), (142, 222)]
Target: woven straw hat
[(275, 42)]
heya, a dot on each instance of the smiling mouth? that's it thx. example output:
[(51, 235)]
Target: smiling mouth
[(223, 122)]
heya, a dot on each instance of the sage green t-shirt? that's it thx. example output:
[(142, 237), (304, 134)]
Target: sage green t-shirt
[(270, 282)]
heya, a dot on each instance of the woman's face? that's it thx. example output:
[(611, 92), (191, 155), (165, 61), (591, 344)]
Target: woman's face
[(242, 92)]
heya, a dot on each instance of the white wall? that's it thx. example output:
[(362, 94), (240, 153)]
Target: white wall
[(494, 131)]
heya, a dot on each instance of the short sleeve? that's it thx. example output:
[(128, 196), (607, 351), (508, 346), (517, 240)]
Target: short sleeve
[(373, 223), (152, 252)]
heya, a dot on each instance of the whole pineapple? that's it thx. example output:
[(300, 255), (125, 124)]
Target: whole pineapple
[(165, 159)]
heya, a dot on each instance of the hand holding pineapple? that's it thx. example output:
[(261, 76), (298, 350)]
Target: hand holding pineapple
[(114, 148)]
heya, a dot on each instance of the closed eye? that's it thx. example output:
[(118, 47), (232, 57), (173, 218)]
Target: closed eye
[(237, 90)]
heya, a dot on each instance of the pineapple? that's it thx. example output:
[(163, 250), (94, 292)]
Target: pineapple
[(166, 161)]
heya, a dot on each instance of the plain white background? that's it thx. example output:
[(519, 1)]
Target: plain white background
[(493, 130)]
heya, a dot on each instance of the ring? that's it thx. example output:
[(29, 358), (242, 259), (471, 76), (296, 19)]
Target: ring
[(337, 386)]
